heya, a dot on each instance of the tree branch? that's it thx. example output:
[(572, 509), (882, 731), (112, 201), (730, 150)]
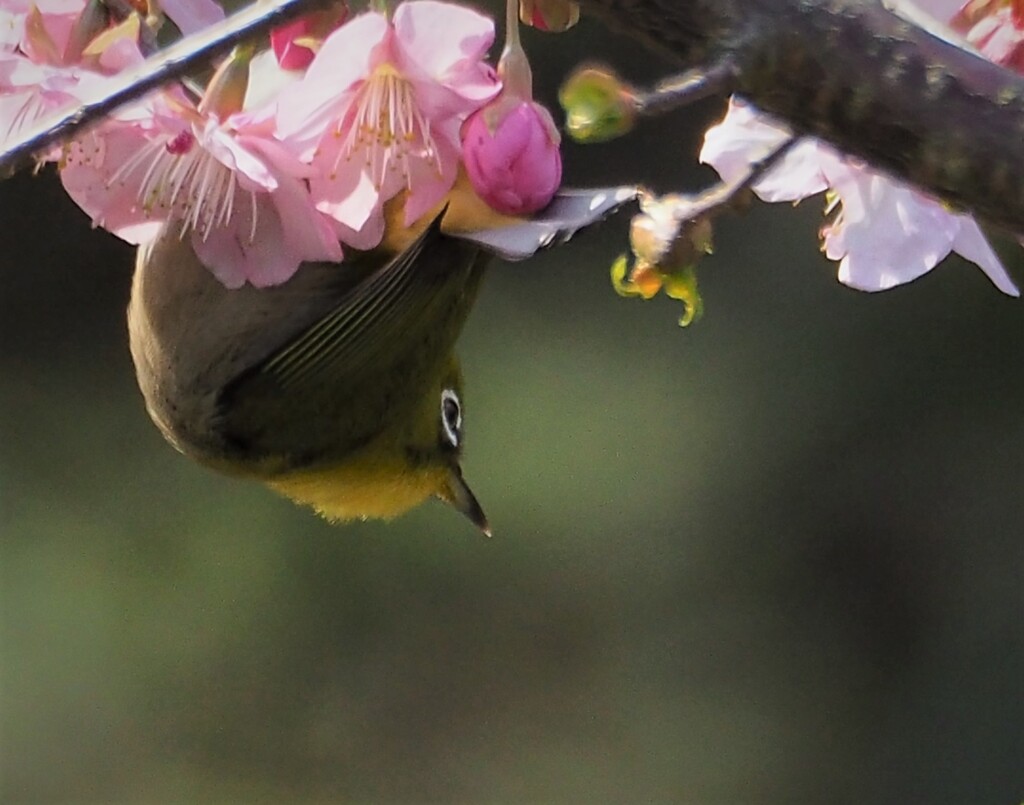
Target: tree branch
[(861, 78), (847, 71)]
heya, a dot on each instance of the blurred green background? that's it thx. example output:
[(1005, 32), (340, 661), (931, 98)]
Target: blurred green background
[(775, 557)]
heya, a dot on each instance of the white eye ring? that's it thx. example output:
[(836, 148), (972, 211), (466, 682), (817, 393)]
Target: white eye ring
[(451, 416)]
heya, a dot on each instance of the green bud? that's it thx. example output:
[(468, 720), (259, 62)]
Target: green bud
[(598, 106)]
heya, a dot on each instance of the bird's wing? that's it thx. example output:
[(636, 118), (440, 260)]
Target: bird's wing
[(378, 327)]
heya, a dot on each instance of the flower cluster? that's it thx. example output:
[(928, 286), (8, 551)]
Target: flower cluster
[(346, 122), (883, 233), (55, 53)]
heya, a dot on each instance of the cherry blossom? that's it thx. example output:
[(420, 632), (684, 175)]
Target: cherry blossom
[(219, 177), (380, 107), (884, 233), (59, 53)]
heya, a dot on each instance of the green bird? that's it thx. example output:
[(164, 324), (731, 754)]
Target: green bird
[(339, 388)]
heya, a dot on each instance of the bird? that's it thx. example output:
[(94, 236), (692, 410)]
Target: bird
[(339, 388)]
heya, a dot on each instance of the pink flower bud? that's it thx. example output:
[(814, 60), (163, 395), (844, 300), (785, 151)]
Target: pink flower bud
[(291, 55), (295, 42), (516, 167)]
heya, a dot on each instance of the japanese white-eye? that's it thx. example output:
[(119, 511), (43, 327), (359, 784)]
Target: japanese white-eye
[(339, 388)]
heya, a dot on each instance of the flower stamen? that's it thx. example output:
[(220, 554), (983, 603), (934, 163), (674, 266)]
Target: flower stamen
[(186, 181), (389, 127)]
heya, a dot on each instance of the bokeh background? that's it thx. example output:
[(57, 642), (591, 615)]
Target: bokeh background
[(775, 557)]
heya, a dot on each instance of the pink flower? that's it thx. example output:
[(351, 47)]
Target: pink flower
[(46, 68), (746, 135), (511, 147), (29, 91), (515, 166), (885, 233), (228, 184), (379, 110)]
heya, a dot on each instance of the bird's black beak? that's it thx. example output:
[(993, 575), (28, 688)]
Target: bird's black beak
[(461, 497)]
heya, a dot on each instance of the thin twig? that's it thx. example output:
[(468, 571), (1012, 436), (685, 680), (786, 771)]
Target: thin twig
[(717, 197), (674, 92)]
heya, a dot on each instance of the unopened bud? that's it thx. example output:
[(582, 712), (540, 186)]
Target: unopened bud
[(553, 16), (598, 105), (295, 43), (513, 161)]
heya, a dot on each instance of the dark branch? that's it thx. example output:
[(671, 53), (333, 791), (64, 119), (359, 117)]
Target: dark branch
[(847, 71), (866, 81)]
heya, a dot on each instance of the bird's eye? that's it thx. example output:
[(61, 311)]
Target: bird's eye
[(451, 416)]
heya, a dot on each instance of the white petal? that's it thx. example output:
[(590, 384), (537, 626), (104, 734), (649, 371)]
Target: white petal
[(970, 244), (745, 136), (888, 234)]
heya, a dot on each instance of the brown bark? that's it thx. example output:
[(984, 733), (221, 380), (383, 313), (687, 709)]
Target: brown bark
[(861, 78)]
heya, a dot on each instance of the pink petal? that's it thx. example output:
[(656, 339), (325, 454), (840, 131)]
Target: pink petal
[(268, 83), (275, 154), (309, 232), (243, 252), (745, 136), (12, 28), (192, 15), (428, 185), (311, 235), (90, 163), (369, 237), (229, 151), (345, 59), (799, 174), (58, 28), (443, 39), (121, 55), (348, 195)]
